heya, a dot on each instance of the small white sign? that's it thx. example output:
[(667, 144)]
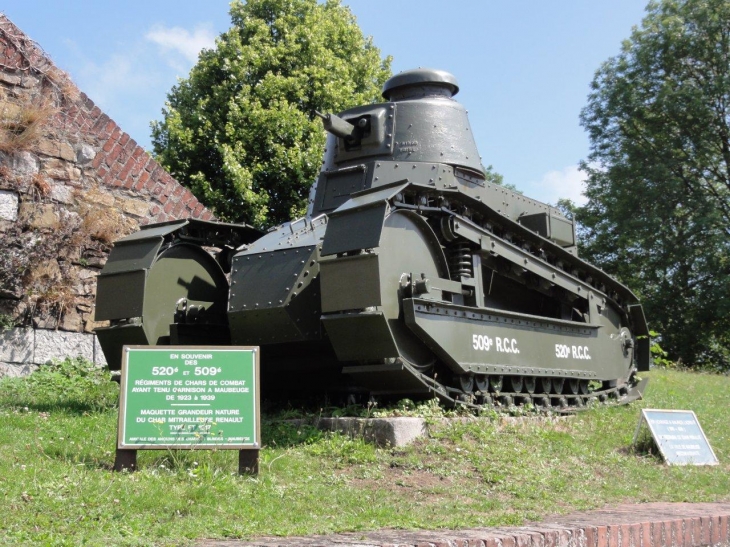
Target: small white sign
[(678, 436)]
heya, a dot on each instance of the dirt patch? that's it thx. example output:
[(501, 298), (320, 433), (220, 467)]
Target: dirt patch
[(395, 479)]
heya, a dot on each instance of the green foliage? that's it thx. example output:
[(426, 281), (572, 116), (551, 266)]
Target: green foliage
[(490, 175), (73, 384), (430, 410), (658, 215), (282, 432), (241, 130), (7, 322), (342, 449), (659, 357), (568, 208)]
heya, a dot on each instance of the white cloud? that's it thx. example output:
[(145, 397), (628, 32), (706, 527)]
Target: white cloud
[(566, 183), (182, 41), (131, 82), (140, 68), (113, 78)]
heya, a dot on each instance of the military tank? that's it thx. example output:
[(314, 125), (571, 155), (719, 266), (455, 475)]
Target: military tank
[(410, 276)]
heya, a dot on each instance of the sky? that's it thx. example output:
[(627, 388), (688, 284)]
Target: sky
[(524, 67)]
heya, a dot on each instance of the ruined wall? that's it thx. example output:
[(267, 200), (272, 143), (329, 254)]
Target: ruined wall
[(71, 183)]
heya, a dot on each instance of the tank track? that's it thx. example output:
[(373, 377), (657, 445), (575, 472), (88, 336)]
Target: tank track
[(566, 403)]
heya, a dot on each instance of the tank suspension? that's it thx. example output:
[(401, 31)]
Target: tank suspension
[(460, 260)]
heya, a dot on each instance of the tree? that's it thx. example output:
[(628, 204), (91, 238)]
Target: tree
[(241, 130), (658, 184), (490, 175)]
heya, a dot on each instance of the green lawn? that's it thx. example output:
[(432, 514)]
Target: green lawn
[(58, 439)]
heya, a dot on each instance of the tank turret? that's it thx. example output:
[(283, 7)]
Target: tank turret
[(422, 131), (420, 123)]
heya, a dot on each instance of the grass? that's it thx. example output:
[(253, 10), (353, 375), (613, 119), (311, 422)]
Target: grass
[(58, 432)]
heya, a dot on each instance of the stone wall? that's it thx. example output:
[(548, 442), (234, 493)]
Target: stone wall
[(71, 183), (24, 350)]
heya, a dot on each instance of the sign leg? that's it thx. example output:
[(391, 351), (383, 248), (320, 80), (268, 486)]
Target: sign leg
[(248, 462), (126, 460)]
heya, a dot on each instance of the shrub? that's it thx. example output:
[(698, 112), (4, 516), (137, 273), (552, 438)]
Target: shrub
[(73, 384)]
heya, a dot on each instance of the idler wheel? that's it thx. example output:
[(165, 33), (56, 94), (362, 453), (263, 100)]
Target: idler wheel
[(482, 382), (573, 386), (558, 384), (495, 383), (466, 383), (516, 383), (530, 384), (545, 385)]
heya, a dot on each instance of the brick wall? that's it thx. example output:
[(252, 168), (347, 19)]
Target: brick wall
[(71, 182), (629, 525), (119, 163)]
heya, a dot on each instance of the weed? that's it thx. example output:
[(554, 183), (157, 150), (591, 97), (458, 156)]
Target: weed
[(646, 446), (342, 449), (21, 124), (56, 298), (7, 322), (105, 224), (429, 409), (285, 433), (39, 187), (63, 83)]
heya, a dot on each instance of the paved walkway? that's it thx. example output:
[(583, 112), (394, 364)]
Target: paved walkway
[(631, 525)]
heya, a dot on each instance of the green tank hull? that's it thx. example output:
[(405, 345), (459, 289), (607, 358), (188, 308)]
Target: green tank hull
[(410, 276)]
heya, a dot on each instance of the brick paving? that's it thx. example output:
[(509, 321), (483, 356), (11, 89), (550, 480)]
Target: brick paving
[(629, 525)]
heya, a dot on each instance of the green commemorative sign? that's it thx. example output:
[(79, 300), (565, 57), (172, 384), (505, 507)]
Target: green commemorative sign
[(189, 397)]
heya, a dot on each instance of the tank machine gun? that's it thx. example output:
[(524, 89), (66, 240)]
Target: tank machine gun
[(410, 275)]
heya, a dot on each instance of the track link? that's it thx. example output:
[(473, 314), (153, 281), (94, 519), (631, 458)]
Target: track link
[(620, 394)]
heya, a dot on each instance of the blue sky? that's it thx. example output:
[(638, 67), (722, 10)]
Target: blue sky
[(524, 67)]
